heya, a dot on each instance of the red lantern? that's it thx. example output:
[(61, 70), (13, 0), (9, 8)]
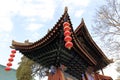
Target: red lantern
[(12, 55), (67, 28), (10, 59), (67, 33), (68, 45), (7, 68), (9, 64), (66, 24), (67, 38), (13, 51)]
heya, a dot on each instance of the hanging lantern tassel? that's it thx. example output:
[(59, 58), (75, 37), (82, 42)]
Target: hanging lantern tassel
[(9, 64), (69, 45), (13, 51), (7, 68), (12, 55), (67, 28), (67, 33), (10, 59), (66, 24), (67, 38)]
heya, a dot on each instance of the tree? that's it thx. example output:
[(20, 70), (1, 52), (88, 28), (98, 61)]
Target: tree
[(24, 70), (28, 69), (107, 22)]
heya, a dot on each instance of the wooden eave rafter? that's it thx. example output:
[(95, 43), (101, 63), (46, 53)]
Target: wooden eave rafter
[(91, 41), (81, 48)]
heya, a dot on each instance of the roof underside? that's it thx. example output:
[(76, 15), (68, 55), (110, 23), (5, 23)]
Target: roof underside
[(50, 49)]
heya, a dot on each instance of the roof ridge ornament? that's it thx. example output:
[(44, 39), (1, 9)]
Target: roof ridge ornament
[(66, 9), (82, 21)]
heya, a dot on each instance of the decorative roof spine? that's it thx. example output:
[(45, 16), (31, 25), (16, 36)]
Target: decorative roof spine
[(66, 9)]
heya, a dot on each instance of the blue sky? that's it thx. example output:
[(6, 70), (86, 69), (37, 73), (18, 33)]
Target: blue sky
[(22, 20)]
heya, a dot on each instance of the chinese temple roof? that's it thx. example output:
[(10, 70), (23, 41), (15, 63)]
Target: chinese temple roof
[(50, 49)]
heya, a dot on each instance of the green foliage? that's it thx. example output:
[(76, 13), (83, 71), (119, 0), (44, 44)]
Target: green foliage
[(24, 71), (28, 69)]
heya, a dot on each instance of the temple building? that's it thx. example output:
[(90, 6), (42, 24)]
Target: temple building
[(74, 50)]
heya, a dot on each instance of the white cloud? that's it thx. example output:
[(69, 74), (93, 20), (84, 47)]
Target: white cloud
[(79, 13), (34, 36), (43, 9), (27, 8), (5, 24), (7, 8), (33, 26), (76, 7), (83, 3)]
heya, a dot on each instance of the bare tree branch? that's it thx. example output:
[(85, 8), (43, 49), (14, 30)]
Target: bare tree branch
[(107, 21)]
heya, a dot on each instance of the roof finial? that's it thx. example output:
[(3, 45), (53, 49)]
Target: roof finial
[(82, 21), (66, 9)]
